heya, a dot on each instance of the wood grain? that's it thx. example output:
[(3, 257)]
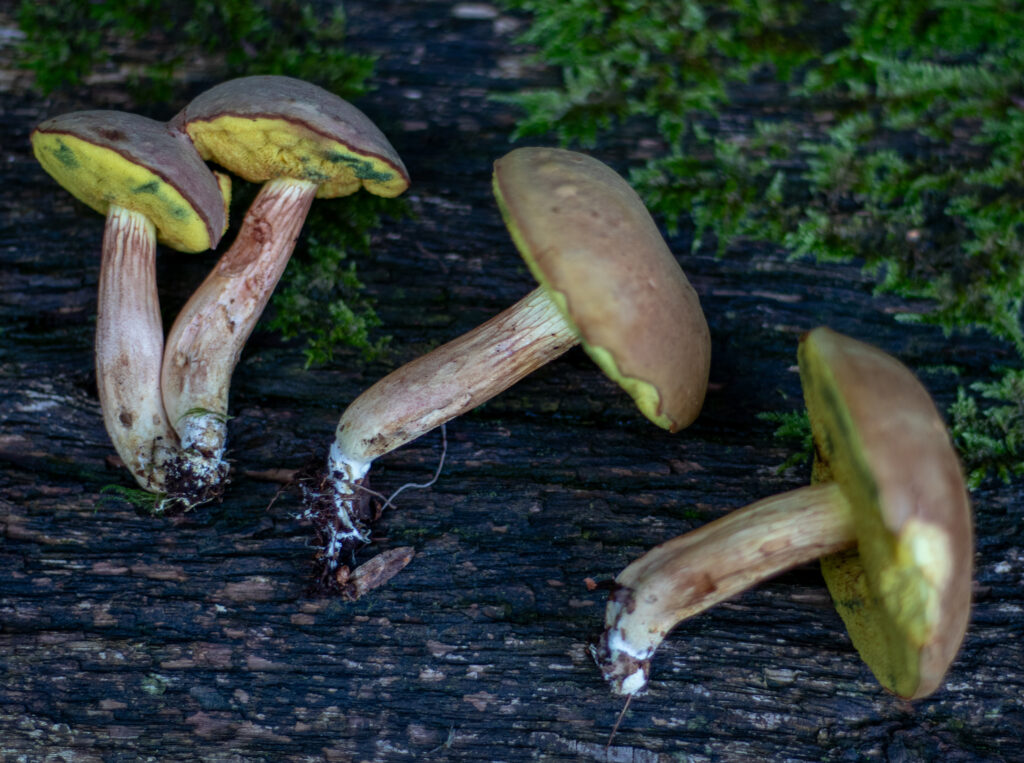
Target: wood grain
[(124, 637)]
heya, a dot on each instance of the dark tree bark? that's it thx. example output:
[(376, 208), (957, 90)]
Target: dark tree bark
[(128, 637)]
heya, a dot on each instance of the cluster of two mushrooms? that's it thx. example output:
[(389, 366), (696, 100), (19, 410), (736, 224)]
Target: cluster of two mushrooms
[(165, 404), (888, 513)]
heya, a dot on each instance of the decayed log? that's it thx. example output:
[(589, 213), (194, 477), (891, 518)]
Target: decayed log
[(128, 637)]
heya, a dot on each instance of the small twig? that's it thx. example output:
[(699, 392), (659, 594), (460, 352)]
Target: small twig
[(281, 476), (377, 571), (277, 494), (447, 743)]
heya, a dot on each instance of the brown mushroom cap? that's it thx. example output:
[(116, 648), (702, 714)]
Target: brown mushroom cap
[(107, 158), (589, 240), (905, 591), (268, 126)]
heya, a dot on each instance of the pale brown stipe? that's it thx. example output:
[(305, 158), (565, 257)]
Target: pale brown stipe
[(300, 141), (889, 516), (148, 183), (422, 395), (206, 340), (129, 349), (469, 370)]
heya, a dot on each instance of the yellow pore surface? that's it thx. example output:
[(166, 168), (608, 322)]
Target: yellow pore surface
[(261, 149), (888, 590), (101, 177)]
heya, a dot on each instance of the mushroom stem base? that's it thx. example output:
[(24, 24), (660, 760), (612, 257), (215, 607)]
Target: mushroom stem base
[(338, 504), (199, 472), (420, 396)]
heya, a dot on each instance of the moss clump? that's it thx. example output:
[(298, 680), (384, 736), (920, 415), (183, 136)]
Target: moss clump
[(67, 40), (320, 283), (991, 433), (912, 160), (792, 429)]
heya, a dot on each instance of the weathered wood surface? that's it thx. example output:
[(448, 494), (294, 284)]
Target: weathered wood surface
[(124, 637)]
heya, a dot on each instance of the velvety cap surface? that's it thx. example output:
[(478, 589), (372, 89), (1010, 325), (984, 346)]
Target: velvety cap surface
[(588, 238)]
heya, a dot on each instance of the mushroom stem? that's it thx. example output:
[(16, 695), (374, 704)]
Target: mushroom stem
[(207, 337), (691, 573), (129, 348), (429, 391)]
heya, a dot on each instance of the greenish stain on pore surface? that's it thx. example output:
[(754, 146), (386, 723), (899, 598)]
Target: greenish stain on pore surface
[(314, 175), (363, 168), (65, 155), (153, 187)]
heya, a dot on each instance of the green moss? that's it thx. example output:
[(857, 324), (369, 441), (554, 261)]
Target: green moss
[(321, 297), (67, 40), (912, 162), (992, 433), (155, 684), (140, 500), (793, 429)]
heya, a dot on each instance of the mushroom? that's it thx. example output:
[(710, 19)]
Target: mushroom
[(887, 513), (151, 185), (300, 141), (607, 281)]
